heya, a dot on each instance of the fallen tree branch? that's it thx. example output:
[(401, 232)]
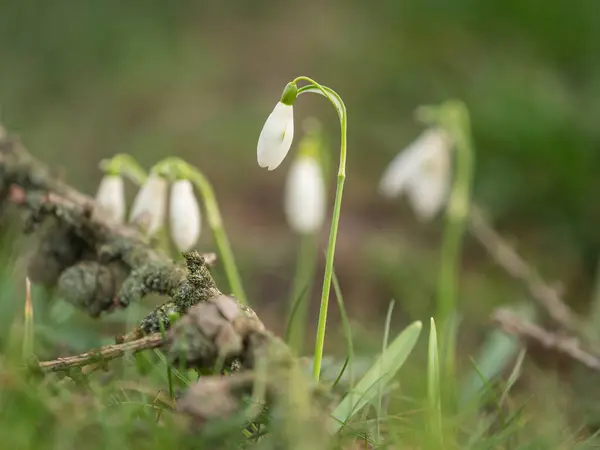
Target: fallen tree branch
[(506, 257), (531, 334), (98, 266)]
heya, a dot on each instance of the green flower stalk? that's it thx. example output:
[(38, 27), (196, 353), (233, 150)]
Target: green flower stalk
[(423, 171), (178, 169), (274, 143), (305, 209), (452, 116)]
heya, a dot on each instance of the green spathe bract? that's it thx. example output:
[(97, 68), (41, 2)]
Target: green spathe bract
[(380, 373)]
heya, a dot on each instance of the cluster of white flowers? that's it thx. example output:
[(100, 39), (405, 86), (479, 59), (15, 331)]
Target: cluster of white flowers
[(422, 171), (150, 206)]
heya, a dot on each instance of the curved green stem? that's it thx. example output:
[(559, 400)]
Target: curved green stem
[(126, 165), (215, 222), (455, 120), (338, 103)]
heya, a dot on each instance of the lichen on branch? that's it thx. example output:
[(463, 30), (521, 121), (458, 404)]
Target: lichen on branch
[(96, 266)]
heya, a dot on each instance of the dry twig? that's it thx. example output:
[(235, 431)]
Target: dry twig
[(507, 258), (529, 333), (102, 354)]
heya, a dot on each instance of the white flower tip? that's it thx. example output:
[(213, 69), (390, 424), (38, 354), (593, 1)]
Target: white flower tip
[(276, 137), (149, 206), (184, 216), (110, 199), (388, 187)]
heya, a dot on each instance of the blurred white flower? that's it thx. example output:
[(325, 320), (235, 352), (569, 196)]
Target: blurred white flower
[(276, 136), (184, 216), (150, 204), (110, 199), (423, 171), (305, 196)]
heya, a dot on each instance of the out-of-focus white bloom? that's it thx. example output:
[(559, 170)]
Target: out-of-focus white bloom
[(110, 199), (423, 171), (150, 204), (305, 195), (184, 216), (276, 137)]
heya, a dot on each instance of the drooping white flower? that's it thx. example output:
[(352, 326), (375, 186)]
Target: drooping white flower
[(184, 216), (110, 199), (150, 204), (277, 134), (423, 171), (305, 196), (276, 137)]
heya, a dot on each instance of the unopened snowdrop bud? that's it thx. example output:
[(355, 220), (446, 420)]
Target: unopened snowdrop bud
[(110, 199), (423, 171), (305, 195), (150, 204), (184, 216), (277, 134)]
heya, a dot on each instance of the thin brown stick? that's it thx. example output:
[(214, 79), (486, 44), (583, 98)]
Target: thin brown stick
[(530, 333), (507, 258), (102, 354)]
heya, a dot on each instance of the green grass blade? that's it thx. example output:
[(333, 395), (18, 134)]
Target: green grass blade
[(346, 327), (386, 335), (381, 372), (498, 350), (433, 388)]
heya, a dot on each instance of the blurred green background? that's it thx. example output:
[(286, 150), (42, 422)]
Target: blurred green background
[(83, 80)]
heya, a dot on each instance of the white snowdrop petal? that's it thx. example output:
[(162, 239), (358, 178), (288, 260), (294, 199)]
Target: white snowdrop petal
[(428, 192), (150, 204), (304, 205), (184, 216), (276, 137), (407, 163), (110, 199)]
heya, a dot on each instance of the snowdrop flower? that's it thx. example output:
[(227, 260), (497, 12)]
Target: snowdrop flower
[(305, 196), (110, 199), (150, 204), (184, 216), (277, 134), (423, 171)]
